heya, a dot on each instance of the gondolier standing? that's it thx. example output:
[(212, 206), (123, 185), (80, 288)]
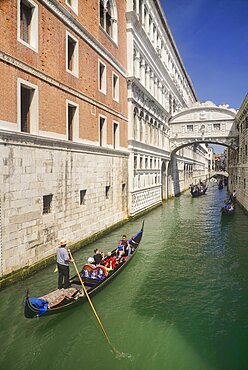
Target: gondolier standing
[(63, 260)]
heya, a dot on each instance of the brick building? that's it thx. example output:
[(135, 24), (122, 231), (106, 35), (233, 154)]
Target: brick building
[(63, 124)]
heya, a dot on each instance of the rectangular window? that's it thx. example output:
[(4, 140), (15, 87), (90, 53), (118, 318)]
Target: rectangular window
[(28, 23), (123, 188), (71, 54), (26, 99), (72, 121), (27, 107), (141, 162), (146, 163), (115, 135), (244, 184), (102, 77), (73, 4), (101, 13), (102, 131), (47, 203), (71, 113), (189, 128), (115, 87), (107, 189), (82, 197)]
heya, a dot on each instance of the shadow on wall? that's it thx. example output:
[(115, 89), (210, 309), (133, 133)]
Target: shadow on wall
[(173, 178)]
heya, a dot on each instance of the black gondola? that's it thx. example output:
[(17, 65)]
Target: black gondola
[(198, 192), (60, 300), (220, 185), (227, 211)]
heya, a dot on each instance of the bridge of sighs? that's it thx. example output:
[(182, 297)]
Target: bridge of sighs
[(203, 123)]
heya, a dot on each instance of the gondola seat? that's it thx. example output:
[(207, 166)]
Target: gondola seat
[(94, 272)]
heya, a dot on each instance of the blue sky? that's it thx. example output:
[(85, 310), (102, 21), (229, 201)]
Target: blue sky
[(212, 38)]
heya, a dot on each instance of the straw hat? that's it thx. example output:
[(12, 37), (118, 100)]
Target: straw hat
[(63, 242)]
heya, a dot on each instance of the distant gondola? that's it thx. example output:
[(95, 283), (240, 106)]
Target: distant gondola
[(198, 192), (220, 185), (227, 211), (60, 300)]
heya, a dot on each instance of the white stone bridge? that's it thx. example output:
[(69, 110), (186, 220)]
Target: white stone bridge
[(203, 123), (218, 174)]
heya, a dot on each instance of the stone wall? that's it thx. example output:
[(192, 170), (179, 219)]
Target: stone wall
[(33, 167)]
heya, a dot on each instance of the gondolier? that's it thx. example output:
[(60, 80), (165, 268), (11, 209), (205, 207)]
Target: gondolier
[(63, 261)]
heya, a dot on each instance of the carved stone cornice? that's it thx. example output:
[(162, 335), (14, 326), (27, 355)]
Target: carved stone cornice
[(13, 138)]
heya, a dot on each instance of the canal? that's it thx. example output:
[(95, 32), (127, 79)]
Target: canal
[(181, 304)]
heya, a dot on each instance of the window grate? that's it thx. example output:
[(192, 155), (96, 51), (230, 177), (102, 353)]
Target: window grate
[(47, 203)]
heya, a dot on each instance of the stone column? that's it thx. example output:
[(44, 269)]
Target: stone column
[(137, 65), (137, 8), (147, 77), (159, 92), (151, 82), (142, 15), (155, 91), (141, 129), (155, 37), (142, 71), (147, 22)]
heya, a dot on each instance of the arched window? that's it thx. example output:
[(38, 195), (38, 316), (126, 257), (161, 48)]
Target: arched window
[(108, 17)]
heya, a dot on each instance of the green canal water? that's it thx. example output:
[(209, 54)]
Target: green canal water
[(181, 304)]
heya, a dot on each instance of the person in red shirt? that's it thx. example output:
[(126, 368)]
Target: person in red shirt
[(110, 262)]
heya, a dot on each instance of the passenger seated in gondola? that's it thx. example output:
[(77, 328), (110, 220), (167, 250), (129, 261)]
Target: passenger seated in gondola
[(121, 250), (229, 205), (94, 272), (110, 262), (197, 188), (98, 257)]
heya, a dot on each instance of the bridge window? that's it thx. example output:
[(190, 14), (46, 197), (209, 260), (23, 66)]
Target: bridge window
[(217, 126), (190, 128)]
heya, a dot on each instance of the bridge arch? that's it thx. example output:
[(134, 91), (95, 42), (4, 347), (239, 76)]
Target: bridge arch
[(203, 123)]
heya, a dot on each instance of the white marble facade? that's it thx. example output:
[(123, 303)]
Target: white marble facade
[(158, 87)]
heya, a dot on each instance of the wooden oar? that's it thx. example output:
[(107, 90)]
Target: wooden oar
[(91, 304)]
